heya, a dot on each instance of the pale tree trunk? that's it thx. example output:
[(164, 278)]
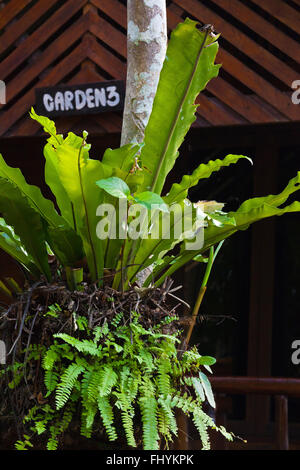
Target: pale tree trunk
[(146, 50)]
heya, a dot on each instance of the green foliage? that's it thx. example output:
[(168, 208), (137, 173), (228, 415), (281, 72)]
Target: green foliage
[(23, 445), (182, 78), (122, 372), (122, 369), (134, 173)]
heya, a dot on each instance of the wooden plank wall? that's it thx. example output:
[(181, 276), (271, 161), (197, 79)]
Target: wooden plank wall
[(51, 42)]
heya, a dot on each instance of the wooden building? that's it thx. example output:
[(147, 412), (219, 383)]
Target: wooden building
[(251, 312)]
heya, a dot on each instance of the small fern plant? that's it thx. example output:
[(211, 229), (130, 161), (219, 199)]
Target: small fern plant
[(122, 373)]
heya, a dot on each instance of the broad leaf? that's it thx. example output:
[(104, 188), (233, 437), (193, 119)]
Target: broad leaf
[(250, 211), (207, 360), (78, 175), (46, 209), (35, 198), (53, 181), (188, 66), (198, 388), (48, 126), (151, 201), (179, 191), (122, 158), (167, 230), (11, 247), (207, 389), (27, 224), (115, 187)]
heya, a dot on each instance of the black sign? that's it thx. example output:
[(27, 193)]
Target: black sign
[(92, 98)]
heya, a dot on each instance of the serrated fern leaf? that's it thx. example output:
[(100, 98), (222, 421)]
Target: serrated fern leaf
[(50, 357), (91, 410), (65, 387), (167, 417), (84, 346), (163, 376), (148, 406), (52, 443), (51, 380), (108, 379), (127, 414), (201, 424), (107, 416)]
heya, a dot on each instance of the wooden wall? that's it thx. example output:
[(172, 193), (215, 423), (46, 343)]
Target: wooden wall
[(50, 42)]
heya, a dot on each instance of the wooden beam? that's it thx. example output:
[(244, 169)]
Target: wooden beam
[(108, 34), (233, 98), (282, 12), (39, 37), (261, 26), (11, 10), (49, 55), (105, 59), (15, 31), (22, 106), (114, 9), (214, 113), (240, 40), (256, 386)]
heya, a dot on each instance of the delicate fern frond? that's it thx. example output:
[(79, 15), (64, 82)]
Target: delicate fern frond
[(84, 430), (145, 358), (68, 379), (163, 380), (91, 411), (117, 319), (50, 357), (148, 406), (167, 414), (127, 414), (40, 427), (85, 346), (52, 443), (108, 379), (50, 380), (66, 418), (107, 416), (100, 332), (200, 421)]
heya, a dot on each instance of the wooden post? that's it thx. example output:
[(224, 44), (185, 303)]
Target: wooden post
[(262, 286), (146, 50), (281, 422), (182, 441)]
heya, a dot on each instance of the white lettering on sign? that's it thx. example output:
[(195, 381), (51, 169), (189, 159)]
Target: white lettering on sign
[(59, 101), (79, 99), (296, 94), (90, 98), (2, 92), (113, 96), (296, 354), (48, 102), (69, 96), (2, 352), (100, 97)]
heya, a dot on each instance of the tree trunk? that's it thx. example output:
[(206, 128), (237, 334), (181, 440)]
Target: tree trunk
[(146, 50)]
